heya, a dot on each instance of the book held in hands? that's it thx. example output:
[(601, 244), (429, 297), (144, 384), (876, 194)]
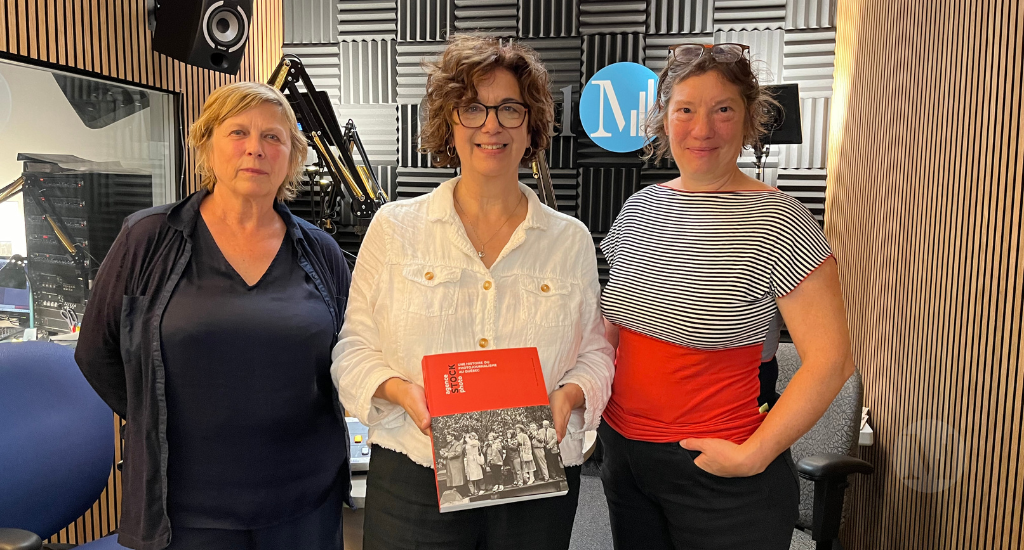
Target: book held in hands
[(493, 439)]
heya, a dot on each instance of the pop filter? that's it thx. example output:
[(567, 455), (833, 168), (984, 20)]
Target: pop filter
[(784, 125)]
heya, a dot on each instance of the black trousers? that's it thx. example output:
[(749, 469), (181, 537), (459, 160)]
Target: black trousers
[(320, 529), (401, 513), (659, 499)]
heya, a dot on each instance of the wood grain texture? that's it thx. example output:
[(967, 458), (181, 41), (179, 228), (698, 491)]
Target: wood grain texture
[(924, 210), (110, 39)]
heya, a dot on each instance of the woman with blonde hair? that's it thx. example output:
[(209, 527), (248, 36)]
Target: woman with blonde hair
[(477, 264), (209, 330)]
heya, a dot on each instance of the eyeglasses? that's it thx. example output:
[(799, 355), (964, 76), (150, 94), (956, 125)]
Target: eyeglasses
[(511, 114), (723, 53)]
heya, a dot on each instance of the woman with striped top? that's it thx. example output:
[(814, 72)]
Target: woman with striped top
[(699, 266)]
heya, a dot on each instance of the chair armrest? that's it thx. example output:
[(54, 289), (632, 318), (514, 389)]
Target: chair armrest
[(829, 473), (19, 539), (831, 466)]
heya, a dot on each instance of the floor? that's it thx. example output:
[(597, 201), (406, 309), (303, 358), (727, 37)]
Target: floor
[(592, 530)]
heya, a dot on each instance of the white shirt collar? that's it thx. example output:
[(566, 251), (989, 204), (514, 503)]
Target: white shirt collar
[(442, 206)]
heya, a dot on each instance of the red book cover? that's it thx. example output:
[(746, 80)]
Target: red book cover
[(493, 435)]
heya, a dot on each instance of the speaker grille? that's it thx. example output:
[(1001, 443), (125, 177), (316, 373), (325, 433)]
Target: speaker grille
[(225, 28)]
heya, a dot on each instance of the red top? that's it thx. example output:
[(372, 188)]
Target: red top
[(664, 392)]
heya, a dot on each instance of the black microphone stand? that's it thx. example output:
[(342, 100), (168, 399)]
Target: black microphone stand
[(759, 153)]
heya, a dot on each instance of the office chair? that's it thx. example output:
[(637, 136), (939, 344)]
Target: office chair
[(823, 459), (58, 445)]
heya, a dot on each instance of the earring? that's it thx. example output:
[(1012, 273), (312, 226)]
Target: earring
[(529, 154), (450, 150)]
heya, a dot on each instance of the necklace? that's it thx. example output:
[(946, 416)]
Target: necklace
[(480, 252)]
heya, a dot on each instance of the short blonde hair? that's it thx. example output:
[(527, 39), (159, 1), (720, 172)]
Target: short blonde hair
[(233, 99), (452, 80)]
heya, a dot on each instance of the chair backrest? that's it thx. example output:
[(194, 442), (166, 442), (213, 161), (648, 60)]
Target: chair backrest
[(838, 430), (56, 438)]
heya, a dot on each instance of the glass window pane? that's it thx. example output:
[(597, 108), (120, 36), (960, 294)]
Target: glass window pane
[(89, 152)]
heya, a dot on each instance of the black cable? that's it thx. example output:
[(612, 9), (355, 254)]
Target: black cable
[(180, 115)]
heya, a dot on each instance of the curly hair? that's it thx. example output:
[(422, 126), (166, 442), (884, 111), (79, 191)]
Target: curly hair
[(452, 80), (233, 99), (740, 73)]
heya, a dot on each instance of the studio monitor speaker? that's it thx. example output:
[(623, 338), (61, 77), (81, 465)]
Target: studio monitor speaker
[(210, 34)]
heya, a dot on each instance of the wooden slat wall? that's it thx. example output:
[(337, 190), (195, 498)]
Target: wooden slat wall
[(924, 209), (110, 38)]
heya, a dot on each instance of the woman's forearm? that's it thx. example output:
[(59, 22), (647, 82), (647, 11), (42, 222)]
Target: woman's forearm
[(391, 390), (410, 397), (816, 319), (805, 400)]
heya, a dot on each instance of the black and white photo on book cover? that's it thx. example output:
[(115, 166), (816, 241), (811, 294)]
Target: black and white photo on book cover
[(494, 457)]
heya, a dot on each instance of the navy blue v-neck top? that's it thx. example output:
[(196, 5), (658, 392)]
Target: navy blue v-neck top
[(252, 434)]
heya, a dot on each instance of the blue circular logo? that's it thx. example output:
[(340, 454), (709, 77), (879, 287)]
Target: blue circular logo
[(614, 105)]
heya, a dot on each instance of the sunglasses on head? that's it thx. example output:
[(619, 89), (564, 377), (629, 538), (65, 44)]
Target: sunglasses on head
[(723, 53)]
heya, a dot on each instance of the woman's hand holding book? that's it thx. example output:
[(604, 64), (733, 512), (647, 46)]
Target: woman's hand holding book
[(563, 401), (410, 397)]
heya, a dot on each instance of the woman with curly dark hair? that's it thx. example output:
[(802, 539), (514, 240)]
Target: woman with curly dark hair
[(699, 266), (478, 263)]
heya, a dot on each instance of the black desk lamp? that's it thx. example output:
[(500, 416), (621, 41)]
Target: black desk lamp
[(784, 125)]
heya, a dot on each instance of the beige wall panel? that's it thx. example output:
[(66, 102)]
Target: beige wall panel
[(924, 207)]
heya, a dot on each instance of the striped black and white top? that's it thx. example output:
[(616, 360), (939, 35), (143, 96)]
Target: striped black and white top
[(702, 270)]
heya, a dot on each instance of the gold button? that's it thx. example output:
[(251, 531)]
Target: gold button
[(544, 288), (483, 342), (358, 439), (487, 285), (429, 275)]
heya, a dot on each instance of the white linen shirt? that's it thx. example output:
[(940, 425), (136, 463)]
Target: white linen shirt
[(419, 288)]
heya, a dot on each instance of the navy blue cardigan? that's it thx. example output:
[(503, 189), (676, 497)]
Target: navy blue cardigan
[(119, 345)]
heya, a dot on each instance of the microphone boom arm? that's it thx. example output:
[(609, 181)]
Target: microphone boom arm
[(357, 181)]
